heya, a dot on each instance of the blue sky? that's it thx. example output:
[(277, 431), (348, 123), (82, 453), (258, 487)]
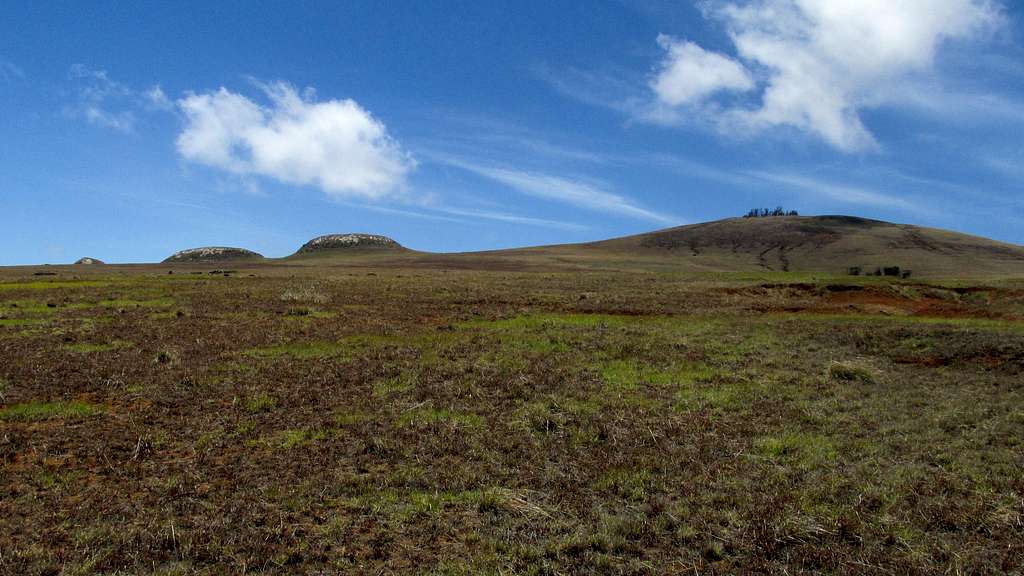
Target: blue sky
[(130, 130)]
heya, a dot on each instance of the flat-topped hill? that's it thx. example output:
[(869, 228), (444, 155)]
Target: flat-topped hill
[(89, 261), (348, 242), (213, 254)]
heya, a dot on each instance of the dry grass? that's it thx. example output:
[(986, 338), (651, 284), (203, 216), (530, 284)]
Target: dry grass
[(468, 422), (307, 294)]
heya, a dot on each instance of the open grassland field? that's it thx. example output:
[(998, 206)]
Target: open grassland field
[(380, 421)]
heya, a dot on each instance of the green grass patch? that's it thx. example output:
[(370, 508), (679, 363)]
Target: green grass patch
[(632, 485), (851, 372), (725, 396), (50, 285), (90, 347), (130, 303), (402, 506), (16, 322), (808, 449), (394, 385), (351, 418), (556, 414), (428, 416), (260, 403), (989, 324), (36, 411), (290, 439), (302, 350), (38, 307), (629, 374)]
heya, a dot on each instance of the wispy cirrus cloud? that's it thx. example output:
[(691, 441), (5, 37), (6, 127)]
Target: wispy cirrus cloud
[(1009, 166), (466, 215), (105, 102), (577, 192), (102, 101), (511, 218), (844, 193), (9, 71)]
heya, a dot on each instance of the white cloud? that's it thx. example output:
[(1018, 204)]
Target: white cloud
[(9, 71), (837, 192), (123, 121), (576, 192), (1008, 166), (511, 218), (690, 73), (820, 61), (335, 145), (157, 99), (96, 92)]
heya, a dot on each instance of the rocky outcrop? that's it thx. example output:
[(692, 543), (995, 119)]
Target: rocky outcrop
[(348, 242), (213, 254), (89, 261)]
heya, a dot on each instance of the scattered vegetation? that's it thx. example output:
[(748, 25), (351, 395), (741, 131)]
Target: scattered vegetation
[(470, 422)]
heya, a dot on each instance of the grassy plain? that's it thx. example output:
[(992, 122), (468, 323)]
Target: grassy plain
[(285, 419)]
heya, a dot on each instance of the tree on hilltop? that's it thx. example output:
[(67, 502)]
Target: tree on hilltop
[(766, 212)]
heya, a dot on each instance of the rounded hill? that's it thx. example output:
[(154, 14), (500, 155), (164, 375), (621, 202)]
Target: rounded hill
[(834, 244), (213, 254), (332, 243)]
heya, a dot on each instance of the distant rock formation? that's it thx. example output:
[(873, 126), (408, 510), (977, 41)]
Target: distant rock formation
[(347, 242), (88, 260), (213, 254)]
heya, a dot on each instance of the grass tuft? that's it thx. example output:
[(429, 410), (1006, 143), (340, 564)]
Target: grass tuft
[(260, 403), (851, 372)]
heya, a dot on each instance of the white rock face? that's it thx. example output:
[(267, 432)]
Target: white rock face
[(88, 260), (348, 241)]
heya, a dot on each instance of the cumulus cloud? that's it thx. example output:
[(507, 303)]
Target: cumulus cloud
[(690, 73), (335, 145), (818, 62)]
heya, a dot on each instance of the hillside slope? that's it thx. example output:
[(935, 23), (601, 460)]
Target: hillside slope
[(829, 244), (819, 244)]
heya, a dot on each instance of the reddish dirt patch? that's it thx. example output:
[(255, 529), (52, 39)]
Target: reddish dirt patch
[(921, 307), (927, 361)]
